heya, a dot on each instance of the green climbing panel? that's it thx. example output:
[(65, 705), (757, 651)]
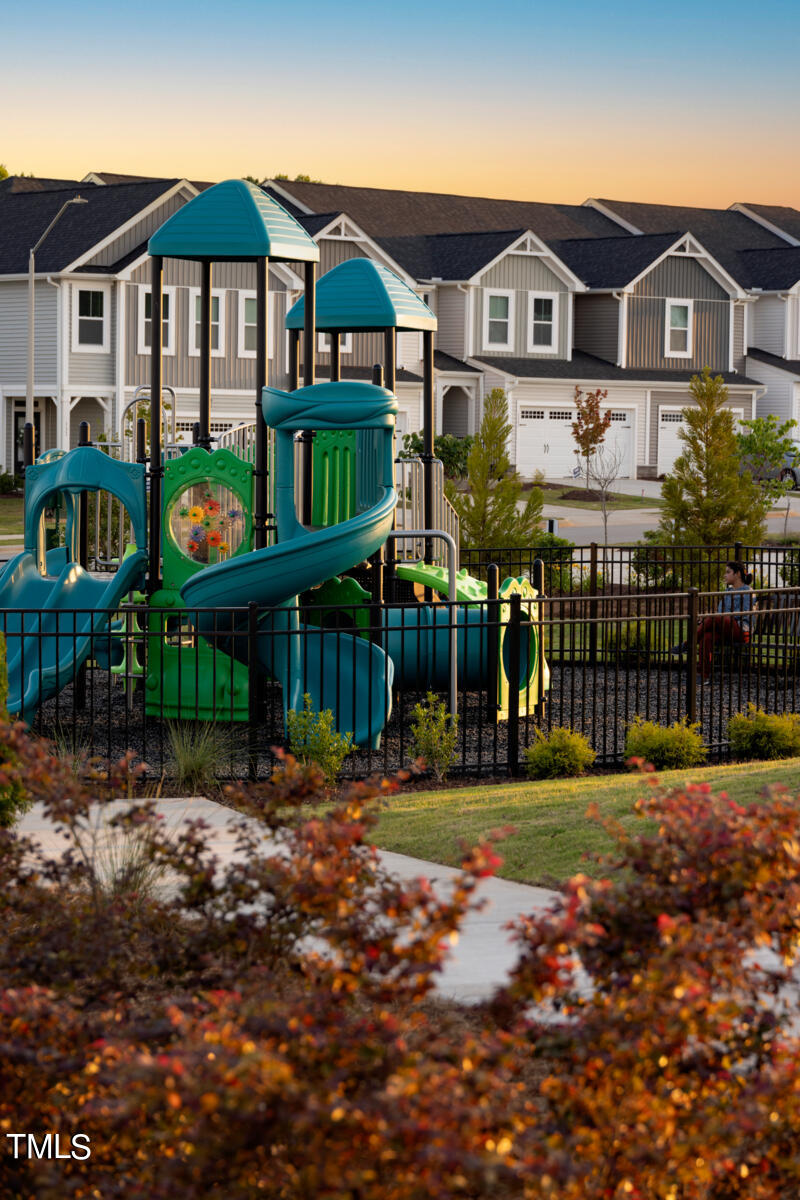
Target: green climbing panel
[(334, 477)]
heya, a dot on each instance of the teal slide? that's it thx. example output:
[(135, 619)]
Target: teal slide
[(342, 672), (64, 607)]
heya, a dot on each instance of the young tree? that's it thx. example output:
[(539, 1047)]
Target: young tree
[(603, 472), (492, 512), (764, 446), (707, 499), (3, 171), (589, 429)]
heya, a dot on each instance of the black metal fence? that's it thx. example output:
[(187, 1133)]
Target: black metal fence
[(148, 675)]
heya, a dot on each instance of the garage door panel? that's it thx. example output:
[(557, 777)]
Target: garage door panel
[(670, 443), (545, 442)]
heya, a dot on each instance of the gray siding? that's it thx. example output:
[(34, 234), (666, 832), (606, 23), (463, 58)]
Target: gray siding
[(522, 273), (14, 333), (738, 339), (597, 326), (450, 312), (138, 233), (768, 325), (455, 412), (659, 400), (678, 278), (89, 410), (333, 251), (779, 396), (91, 370)]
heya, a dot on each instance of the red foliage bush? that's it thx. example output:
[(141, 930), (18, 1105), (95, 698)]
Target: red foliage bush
[(266, 1028)]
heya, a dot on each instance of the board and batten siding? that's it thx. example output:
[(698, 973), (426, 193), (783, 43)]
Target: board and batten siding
[(522, 273), (767, 328), (14, 333), (678, 278), (597, 326), (779, 396), (91, 370), (139, 233), (450, 314), (683, 399)]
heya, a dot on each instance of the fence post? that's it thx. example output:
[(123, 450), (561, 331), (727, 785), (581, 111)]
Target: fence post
[(593, 602), (141, 440), (691, 670), (512, 636), (83, 557), (538, 583), (252, 689), (493, 638)]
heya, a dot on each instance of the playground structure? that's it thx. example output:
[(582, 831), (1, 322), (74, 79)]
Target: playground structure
[(215, 547)]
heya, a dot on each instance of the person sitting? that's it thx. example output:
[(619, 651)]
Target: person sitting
[(730, 623)]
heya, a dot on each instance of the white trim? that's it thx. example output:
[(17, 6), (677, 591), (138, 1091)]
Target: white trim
[(612, 216), (144, 289), (647, 405), (194, 296), (324, 343), (570, 324), (534, 248), (276, 187), (622, 328), (104, 288), (120, 371), (675, 302), (511, 295), (241, 297), (765, 224), (534, 348), (126, 225)]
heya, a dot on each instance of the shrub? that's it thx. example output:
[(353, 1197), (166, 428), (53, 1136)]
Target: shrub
[(313, 739), (556, 554), (453, 451), (434, 735), (629, 641), (790, 568), (197, 748), (14, 800), (758, 734), (560, 754), (665, 746), (10, 483)]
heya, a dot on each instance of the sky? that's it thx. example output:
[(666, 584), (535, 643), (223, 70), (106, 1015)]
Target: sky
[(679, 102)]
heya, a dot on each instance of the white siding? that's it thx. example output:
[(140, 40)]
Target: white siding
[(778, 398), (767, 325), (14, 333), (451, 314), (409, 351)]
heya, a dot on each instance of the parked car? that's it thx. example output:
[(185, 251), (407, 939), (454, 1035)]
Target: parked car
[(788, 471)]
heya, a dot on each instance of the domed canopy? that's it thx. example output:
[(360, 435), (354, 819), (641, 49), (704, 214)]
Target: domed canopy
[(361, 295), (233, 221)]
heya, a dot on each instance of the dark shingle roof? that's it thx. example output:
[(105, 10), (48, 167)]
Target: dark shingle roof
[(111, 177), (792, 365), (720, 230), (447, 255), (386, 212), (783, 217), (613, 262), (312, 224), (16, 185), (25, 217), (446, 362), (770, 270), (586, 366)]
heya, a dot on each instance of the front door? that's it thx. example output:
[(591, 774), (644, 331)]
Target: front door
[(19, 438)]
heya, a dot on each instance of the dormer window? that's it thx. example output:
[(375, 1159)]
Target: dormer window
[(542, 322), (678, 331), (498, 320)]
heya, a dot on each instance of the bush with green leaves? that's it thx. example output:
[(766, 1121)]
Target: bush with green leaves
[(10, 483), (757, 734), (453, 451), (790, 569), (14, 800), (312, 738), (628, 642), (434, 735), (563, 753), (665, 746)]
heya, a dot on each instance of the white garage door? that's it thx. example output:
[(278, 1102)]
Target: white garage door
[(670, 444), (545, 442)]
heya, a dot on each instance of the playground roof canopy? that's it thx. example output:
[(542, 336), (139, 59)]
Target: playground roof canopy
[(359, 294), (233, 221)]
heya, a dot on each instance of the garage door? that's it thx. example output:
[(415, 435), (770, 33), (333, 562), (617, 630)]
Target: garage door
[(670, 444), (545, 442)]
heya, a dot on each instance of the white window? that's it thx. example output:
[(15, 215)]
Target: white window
[(217, 323), (531, 414), (345, 343), (498, 320), (542, 322), (678, 330), (91, 324), (248, 325), (144, 324)]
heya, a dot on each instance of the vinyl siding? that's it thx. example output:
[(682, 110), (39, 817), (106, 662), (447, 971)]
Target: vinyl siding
[(139, 233), (87, 409), (768, 325), (14, 333), (682, 399), (738, 339), (450, 312), (455, 411), (597, 326), (409, 351), (779, 396), (522, 274), (678, 278), (90, 370)]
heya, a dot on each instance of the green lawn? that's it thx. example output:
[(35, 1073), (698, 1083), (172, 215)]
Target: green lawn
[(11, 515), (553, 494), (550, 817)]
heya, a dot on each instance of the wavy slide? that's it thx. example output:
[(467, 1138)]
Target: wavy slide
[(339, 670)]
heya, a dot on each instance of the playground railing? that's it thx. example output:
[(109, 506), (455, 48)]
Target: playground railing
[(101, 682)]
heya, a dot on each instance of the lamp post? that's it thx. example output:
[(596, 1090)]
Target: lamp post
[(31, 326)]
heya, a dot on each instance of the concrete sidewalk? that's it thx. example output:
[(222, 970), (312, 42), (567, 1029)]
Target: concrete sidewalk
[(478, 963)]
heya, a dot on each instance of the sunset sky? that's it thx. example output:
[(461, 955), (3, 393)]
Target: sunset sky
[(695, 103)]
